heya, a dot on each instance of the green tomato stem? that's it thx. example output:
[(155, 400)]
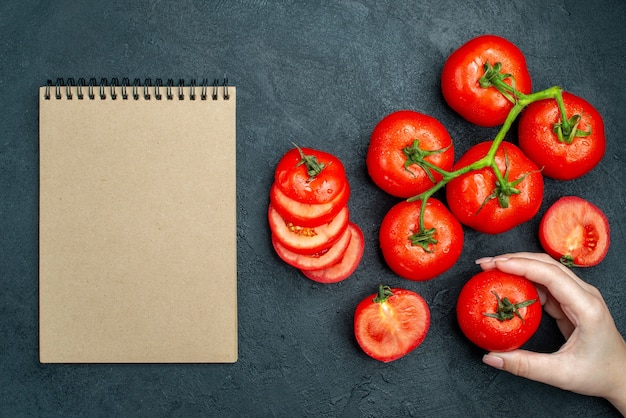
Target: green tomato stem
[(384, 292), (522, 100), (508, 310)]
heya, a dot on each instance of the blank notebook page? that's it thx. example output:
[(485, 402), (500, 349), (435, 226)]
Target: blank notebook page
[(137, 227)]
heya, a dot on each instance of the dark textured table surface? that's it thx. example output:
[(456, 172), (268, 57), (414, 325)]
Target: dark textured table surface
[(321, 74)]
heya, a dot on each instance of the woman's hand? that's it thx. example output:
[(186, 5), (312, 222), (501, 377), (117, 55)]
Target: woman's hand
[(593, 359)]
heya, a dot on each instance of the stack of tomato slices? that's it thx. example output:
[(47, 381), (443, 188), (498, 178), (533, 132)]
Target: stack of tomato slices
[(309, 216)]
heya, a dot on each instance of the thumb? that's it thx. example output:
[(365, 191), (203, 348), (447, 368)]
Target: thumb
[(535, 366)]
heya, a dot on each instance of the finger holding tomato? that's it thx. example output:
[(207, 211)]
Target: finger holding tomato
[(471, 74), (417, 254), (478, 198), (405, 151)]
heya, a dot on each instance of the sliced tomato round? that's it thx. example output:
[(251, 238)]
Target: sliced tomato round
[(575, 231), (322, 260), (391, 323), (308, 214), (307, 240), (346, 265)]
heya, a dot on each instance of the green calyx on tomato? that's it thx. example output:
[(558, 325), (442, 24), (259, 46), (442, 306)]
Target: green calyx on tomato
[(313, 167), (383, 294), (416, 155), (494, 77), (504, 188), (508, 310), (424, 238), (567, 129)]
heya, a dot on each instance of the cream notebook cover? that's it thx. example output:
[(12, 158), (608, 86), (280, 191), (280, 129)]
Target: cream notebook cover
[(137, 223)]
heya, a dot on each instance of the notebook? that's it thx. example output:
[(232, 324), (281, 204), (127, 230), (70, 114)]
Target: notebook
[(137, 227)]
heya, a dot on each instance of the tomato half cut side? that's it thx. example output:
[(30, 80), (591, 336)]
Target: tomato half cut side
[(308, 214), (307, 240), (389, 327), (575, 231), (318, 261), (346, 265)]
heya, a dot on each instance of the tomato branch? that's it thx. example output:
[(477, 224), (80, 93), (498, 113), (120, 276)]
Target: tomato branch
[(521, 101)]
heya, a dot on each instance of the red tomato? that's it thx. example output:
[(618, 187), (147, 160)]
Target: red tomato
[(310, 176), (562, 160), (471, 199), (498, 311), (346, 265), (307, 240), (397, 142), (321, 260), (392, 323), (308, 214), (464, 68), (412, 261), (575, 231)]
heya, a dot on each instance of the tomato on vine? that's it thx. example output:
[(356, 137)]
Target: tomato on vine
[(420, 246), (566, 148), (406, 151), (480, 79), (493, 201)]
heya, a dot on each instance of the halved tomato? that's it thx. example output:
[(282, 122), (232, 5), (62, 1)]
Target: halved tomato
[(318, 261), (575, 231), (346, 265), (307, 240), (308, 214), (392, 323)]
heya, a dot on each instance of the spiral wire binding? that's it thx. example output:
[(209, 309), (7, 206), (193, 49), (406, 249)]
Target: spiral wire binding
[(137, 88)]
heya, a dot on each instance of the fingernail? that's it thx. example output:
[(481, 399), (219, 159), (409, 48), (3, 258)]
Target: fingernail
[(493, 361), (484, 260)]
